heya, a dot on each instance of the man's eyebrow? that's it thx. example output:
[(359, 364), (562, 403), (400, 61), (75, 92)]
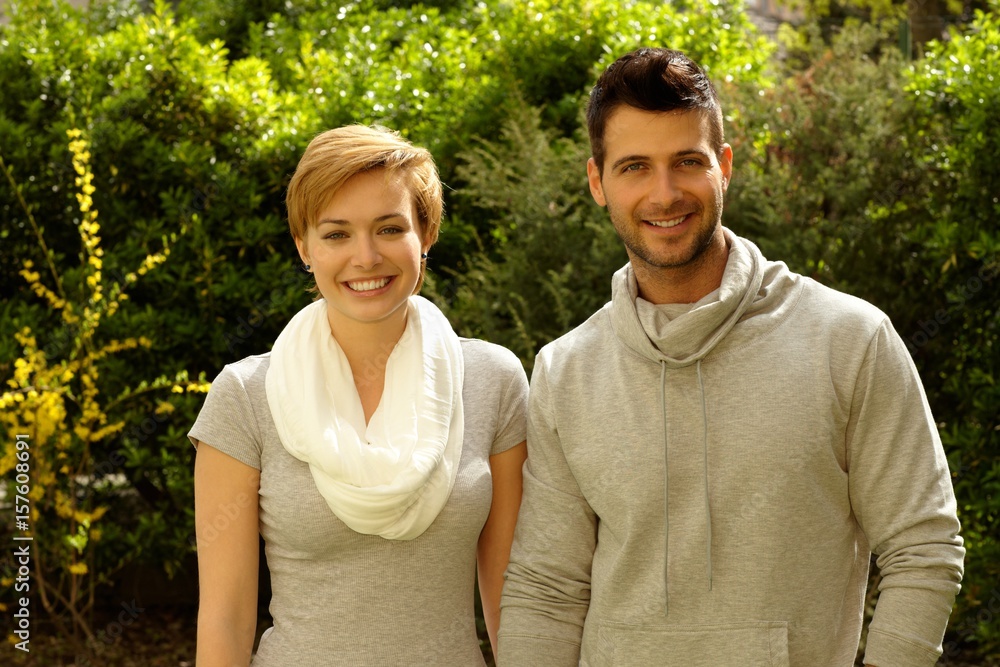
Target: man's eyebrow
[(628, 158), (639, 158), (347, 223), (692, 151)]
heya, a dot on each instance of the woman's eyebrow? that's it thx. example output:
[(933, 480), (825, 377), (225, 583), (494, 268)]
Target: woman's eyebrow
[(347, 223)]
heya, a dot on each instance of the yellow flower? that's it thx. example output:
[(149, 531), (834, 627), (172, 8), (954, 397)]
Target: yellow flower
[(63, 505), (78, 568)]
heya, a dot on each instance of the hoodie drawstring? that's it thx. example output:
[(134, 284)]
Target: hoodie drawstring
[(666, 482), (666, 488), (708, 504)]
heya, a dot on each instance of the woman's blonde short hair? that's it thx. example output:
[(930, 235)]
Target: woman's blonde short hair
[(336, 155)]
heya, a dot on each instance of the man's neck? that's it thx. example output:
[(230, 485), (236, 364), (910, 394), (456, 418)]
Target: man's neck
[(683, 284)]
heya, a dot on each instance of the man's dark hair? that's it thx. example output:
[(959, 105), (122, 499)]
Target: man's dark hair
[(651, 79)]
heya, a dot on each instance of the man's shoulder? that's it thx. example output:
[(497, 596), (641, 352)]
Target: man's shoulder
[(838, 307), (582, 339)]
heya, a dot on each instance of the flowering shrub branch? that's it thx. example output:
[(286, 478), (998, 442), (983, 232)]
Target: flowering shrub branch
[(58, 403)]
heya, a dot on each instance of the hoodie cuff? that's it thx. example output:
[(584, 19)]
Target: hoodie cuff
[(885, 650)]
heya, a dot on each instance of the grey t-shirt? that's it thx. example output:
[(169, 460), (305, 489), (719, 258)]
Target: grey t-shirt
[(343, 598)]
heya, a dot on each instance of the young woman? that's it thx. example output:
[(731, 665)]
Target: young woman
[(378, 454)]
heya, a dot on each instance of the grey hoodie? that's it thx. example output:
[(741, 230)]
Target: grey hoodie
[(711, 497)]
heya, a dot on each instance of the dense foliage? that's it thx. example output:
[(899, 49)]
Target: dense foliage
[(856, 167)]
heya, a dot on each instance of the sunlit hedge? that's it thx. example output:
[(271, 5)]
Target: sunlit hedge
[(870, 173)]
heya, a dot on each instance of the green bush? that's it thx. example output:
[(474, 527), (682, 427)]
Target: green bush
[(547, 264), (447, 73), (184, 145), (856, 168), (957, 338)]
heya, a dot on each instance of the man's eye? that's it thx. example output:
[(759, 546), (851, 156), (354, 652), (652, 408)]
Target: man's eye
[(632, 167)]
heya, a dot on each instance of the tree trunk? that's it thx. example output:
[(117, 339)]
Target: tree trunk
[(927, 22)]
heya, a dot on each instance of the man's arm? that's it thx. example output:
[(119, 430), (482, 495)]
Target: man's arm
[(901, 492), (547, 589)]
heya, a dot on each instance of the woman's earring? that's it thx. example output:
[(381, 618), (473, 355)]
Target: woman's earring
[(423, 255), (306, 268)]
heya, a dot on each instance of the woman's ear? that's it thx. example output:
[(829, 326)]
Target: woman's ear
[(303, 250)]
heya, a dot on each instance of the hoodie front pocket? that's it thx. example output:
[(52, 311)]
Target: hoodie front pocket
[(752, 644)]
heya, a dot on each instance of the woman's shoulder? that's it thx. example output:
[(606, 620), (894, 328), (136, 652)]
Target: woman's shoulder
[(248, 373)]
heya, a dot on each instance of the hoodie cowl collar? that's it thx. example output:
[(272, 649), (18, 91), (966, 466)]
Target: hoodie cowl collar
[(690, 337)]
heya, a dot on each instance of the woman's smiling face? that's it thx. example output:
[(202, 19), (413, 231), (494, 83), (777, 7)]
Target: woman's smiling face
[(365, 249)]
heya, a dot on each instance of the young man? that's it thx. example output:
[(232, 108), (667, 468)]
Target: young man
[(714, 455)]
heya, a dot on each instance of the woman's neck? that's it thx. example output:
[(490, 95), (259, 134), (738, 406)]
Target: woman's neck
[(367, 346)]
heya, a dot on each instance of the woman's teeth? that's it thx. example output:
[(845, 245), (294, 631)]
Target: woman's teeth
[(367, 285)]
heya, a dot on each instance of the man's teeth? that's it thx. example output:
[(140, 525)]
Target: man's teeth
[(667, 223), (366, 285)]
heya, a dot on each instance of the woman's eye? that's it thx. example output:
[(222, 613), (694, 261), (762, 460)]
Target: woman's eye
[(391, 230), (335, 235)]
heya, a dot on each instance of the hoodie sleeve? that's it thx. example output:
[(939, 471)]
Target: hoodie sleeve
[(902, 496), (547, 589)]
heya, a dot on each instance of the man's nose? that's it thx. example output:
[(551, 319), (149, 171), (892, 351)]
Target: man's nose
[(664, 190)]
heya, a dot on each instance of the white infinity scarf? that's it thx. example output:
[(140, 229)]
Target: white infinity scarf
[(396, 485)]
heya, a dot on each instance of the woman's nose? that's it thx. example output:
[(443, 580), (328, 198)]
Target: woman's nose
[(366, 253)]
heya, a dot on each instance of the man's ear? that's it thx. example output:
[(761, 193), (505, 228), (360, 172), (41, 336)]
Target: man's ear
[(594, 177), (726, 164)]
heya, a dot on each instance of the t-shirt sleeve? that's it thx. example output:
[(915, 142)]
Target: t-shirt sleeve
[(512, 418), (227, 421)]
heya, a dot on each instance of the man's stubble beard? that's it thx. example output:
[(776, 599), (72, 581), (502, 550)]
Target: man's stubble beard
[(631, 237)]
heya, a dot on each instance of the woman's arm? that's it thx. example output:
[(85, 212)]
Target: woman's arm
[(225, 515), (498, 533)]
